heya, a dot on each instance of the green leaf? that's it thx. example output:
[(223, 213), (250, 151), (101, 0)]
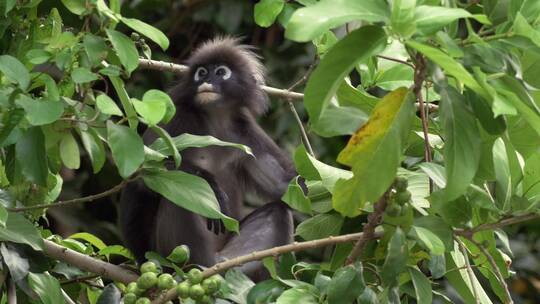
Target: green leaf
[(15, 260), (78, 7), (127, 148), (107, 106), (131, 114), (15, 71), (531, 177), (95, 47), (69, 151), (32, 157), (336, 120), (403, 19), (374, 170), (157, 95), (337, 63), (164, 135), (116, 250), (313, 169), (125, 49), (295, 197), (462, 144), (3, 216), (399, 75), (422, 286), (296, 295), (147, 30), (152, 111), (83, 75), (428, 239), (396, 258), (346, 285), (320, 226), (449, 65), (47, 288), (38, 56), (40, 112), (523, 28), (186, 140), (266, 11), (309, 22), (188, 191), (94, 146), (459, 278), (19, 229), (265, 292), (90, 238), (430, 19)]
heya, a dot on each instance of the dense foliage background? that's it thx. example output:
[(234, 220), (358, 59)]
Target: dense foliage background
[(72, 99)]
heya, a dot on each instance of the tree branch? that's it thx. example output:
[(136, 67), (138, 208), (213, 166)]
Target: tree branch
[(374, 219), (280, 93), (84, 262), (259, 255), (74, 201), (470, 271)]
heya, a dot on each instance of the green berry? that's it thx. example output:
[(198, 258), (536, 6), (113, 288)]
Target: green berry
[(143, 300), (131, 287), (183, 289), (147, 280), (135, 36), (210, 286), (401, 184), (205, 300), (130, 298), (180, 254), (166, 281), (393, 210), (149, 267), (403, 197), (195, 276), (196, 292)]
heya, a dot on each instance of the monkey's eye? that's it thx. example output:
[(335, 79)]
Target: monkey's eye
[(223, 71), (200, 73)]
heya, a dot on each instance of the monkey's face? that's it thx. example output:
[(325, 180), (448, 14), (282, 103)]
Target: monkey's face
[(212, 82)]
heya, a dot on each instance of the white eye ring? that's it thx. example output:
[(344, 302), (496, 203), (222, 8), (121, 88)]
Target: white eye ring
[(200, 73), (224, 71)]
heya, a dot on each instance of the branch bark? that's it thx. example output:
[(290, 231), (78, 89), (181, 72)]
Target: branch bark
[(84, 262), (255, 256), (374, 219), (85, 199)]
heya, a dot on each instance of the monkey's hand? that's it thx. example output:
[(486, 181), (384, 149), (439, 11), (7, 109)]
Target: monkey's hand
[(216, 225)]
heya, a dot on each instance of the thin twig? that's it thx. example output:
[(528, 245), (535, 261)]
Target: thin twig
[(79, 279), (75, 200), (300, 81), (272, 252), (492, 226), (498, 273), (373, 220), (469, 270), (87, 263), (397, 60), (419, 77)]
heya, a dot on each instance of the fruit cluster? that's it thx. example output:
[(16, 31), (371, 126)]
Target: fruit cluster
[(152, 282), (398, 204)]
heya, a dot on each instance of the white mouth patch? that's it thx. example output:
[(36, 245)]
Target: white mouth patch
[(206, 94), (206, 97)]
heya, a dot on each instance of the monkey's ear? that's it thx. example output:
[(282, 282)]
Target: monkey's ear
[(258, 103)]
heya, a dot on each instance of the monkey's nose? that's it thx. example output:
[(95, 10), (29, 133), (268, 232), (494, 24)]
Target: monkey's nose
[(205, 87)]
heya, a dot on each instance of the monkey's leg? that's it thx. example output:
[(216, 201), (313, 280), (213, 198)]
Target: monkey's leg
[(268, 226), (176, 226)]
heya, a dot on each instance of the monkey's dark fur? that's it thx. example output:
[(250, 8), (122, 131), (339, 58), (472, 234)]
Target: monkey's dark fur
[(224, 105)]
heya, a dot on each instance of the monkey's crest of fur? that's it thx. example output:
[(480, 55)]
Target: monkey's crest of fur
[(230, 50)]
